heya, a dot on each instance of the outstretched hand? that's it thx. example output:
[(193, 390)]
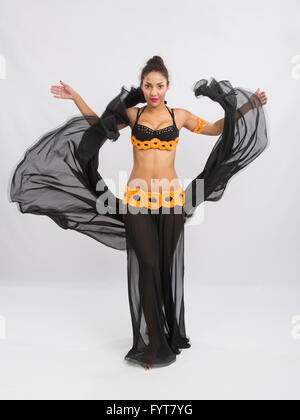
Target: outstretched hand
[(258, 98), (62, 92)]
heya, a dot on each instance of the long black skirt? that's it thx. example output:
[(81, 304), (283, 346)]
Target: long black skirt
[(155, 275)]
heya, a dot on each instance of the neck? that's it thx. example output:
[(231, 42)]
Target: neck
[(154, 110)]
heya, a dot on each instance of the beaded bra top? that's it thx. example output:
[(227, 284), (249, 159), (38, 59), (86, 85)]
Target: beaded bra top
[(144, 137)]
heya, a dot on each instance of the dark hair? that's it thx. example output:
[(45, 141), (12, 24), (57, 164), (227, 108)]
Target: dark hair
[(156, 63)]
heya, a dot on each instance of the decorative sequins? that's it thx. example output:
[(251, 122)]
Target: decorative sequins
[(200, 125), (154, 143), (153, 200), (147, 130)]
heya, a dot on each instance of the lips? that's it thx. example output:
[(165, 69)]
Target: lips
[(154, 99)]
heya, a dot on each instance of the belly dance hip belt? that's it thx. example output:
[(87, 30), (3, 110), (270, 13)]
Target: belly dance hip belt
[(153, 200)]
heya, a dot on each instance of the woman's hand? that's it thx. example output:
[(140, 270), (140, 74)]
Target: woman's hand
[(62, 92), (258, 98)]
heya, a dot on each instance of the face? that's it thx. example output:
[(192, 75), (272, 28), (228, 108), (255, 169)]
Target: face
[(154, 87)]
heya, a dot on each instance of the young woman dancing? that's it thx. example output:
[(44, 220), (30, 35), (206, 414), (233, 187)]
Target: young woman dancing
[(59, 177)]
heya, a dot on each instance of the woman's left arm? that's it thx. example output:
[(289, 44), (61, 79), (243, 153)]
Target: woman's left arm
[(201, 126)]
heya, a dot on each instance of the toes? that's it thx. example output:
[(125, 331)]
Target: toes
[(147, 366)]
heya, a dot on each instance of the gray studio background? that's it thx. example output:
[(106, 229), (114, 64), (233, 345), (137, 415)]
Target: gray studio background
[(64, 312)]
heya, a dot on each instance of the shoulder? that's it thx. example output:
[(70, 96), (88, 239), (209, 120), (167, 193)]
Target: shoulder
[(180, 115), (190, 121), (180, 112), (132, 114)]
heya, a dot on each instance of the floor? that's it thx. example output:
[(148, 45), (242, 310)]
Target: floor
[(64, 341)]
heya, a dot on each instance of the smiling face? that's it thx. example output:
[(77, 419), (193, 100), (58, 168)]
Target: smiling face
[(154, 86)]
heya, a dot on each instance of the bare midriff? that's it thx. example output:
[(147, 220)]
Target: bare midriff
[(153, 170)]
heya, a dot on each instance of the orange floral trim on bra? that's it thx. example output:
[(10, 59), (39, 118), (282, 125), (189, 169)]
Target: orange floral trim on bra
[(154, 143), (145, 198), (200, 125)]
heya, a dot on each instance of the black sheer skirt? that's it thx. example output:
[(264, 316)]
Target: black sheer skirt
[(59, 177), (155, 274)]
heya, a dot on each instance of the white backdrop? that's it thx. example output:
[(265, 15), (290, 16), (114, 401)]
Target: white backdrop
[(63, 296)]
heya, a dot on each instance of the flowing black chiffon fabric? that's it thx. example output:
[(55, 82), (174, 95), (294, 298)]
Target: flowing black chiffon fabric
[(244, 138), (59, 177), (155, 269)]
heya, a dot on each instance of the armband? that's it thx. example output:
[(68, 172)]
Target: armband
[(200, 125)]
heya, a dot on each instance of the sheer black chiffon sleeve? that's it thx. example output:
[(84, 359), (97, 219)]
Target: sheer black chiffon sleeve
[(243, 139), (58, 176)]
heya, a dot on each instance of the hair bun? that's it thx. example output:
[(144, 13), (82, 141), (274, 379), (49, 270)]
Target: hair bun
[(155, 59)]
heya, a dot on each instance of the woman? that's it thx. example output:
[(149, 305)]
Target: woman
[(59, 177)]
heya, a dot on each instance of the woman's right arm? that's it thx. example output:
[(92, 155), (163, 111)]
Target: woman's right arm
[(83, 106), (67, 92), (87, 111)]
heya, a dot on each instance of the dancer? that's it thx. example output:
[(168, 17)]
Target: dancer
[(59, 177)]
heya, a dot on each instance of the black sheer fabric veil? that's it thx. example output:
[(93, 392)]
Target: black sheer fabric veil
[(243, 139), (59, 175)]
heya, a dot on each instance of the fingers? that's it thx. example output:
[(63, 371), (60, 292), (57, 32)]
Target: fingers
[(262, 96), (57, 90)]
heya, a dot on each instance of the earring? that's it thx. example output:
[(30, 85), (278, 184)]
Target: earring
[(165, 102)]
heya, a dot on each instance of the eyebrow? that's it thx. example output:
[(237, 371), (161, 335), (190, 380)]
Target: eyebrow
[(158, 83)]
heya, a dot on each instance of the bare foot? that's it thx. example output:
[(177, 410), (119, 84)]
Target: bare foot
[(147, 366)]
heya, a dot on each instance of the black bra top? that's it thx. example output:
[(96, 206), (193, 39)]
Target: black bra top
[(144, 137)]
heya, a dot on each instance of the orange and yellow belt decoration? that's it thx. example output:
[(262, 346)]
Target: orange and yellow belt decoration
[(153, 199)]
